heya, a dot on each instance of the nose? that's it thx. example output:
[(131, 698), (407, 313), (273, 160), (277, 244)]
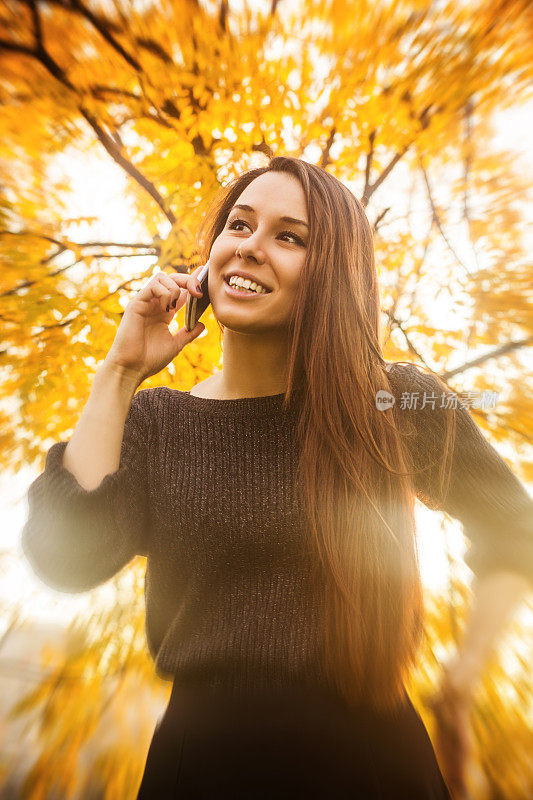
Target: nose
[(249, 250)]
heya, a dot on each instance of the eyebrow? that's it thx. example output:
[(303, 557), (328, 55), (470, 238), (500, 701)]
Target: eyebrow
[(292, 220)]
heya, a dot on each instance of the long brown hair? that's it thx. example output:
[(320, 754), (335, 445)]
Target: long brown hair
[(355, 468)]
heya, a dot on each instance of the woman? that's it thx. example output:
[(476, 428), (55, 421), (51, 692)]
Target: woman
[(275, 504)]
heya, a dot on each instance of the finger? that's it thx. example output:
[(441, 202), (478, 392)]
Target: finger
[(160, 293), (188, 281), (170, 291), (180, 300), (183, 336), (176, 295), (197, 269), (155, 293), (194, 276)]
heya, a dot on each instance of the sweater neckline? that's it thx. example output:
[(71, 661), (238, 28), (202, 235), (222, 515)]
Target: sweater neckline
[(264, 405)]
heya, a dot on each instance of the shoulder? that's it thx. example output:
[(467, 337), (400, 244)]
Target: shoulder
[(426, 394), (405, 376), (418, 389), (424, 406), (428, 389), (152, 413), (428, 410), (144, 398), (148, 404)]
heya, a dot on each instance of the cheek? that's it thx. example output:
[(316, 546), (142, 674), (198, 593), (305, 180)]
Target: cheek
[(293, 276), (223, 249)]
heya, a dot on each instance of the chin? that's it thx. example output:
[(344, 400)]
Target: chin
[(246, 320), (237, 318), (230, 323)]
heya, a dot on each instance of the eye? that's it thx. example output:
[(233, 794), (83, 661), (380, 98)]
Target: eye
[(296, 238), (231, 225)]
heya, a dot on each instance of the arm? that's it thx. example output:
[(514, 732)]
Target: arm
[(483, 493), (497, 517), (88, 511), (495, 597), (93, 450)]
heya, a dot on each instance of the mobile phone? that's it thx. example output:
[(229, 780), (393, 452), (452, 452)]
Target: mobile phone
[(195, 306)]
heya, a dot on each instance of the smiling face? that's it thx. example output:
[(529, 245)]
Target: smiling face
[(272, 252)]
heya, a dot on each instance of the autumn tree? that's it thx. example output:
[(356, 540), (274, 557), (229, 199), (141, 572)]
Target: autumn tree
[(396, 98)]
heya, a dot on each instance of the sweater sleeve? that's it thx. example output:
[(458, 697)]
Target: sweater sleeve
[(74, 538), (483, 493)]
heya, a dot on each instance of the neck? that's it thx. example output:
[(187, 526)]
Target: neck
[(254, 364)]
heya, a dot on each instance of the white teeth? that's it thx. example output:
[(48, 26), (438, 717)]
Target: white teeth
[(247, 284)]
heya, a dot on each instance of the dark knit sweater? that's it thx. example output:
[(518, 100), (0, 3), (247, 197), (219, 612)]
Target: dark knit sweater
[(205, 489)]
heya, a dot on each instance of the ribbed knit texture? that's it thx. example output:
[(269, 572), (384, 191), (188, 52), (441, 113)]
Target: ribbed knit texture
[(206, 490)]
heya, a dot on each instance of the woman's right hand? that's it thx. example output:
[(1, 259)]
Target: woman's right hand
[(143, 344)]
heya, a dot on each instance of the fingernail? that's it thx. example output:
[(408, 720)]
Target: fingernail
[(199, 288), (173, 303), (168, 308)]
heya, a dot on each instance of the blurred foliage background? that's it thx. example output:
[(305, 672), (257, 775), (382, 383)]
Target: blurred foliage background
[(139, 110)]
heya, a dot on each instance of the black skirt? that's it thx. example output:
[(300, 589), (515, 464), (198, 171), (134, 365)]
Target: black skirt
[(297, 743)]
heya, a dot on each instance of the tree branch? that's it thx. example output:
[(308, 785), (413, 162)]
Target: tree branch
[(67, 243), (223, 15), (502, 350), (395, 323), (26, 284), (104, 32), (369, 157), (379, 218), (437, 221), (98, 89), (15, 47), (371, 188), (325, 159), (109, 144), (115, 153)]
